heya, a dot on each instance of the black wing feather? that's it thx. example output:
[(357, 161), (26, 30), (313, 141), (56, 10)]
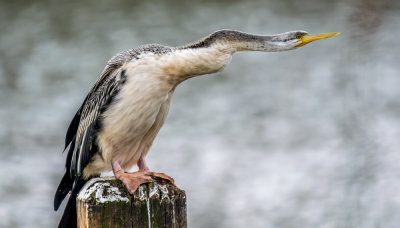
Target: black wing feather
[(73, 127), (88, 148)]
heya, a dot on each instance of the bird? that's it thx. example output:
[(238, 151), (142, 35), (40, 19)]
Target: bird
[(123, 112)]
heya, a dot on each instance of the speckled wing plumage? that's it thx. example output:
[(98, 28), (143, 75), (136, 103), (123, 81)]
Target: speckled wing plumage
[(82, 129)]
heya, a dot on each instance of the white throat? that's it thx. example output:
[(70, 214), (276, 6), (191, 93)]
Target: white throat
[(182, 64)]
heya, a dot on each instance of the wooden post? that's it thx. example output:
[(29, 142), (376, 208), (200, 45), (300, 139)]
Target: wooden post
[(105, 202)]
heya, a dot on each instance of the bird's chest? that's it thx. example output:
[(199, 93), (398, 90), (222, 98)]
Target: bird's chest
[(132, 117), (134, 111)]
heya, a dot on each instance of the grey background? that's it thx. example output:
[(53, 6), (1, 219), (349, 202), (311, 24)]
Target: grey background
[(306, 138)]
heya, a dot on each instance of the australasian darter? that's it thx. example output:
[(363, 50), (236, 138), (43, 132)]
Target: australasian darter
[(123, 112)]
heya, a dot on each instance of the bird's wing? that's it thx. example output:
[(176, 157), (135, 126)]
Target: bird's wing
[(85, 125), (83, 128), (97, 92)]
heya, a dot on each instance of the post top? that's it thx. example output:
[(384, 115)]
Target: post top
[(101, 190)]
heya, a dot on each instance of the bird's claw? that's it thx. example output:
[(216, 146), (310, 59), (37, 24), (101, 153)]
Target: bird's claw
[(133, 180)]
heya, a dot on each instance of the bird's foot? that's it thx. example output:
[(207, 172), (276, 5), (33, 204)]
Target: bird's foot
[(134, 179), (162, 176)]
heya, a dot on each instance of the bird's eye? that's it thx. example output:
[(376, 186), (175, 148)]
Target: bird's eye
[(298, 36)]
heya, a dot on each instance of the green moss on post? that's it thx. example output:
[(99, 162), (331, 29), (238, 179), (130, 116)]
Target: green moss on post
[(104, 202)]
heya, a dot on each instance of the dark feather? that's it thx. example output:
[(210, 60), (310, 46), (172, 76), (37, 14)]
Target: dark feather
[(88, 147), (66, 182), (63, 188), (69, 155), (69, 218), (73, 127)]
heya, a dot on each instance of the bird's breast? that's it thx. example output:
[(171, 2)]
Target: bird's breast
[(132, 114)]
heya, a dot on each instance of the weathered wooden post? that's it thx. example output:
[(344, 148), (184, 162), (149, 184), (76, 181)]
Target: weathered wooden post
[(105, 202)]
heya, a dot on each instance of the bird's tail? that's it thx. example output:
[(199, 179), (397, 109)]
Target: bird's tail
[(63, 188), (69, 218)]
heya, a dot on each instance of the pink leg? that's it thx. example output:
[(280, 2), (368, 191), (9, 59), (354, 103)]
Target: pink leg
[(142, 165), (144, 168)]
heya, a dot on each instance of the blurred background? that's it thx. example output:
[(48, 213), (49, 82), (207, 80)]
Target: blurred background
[(306, 138)]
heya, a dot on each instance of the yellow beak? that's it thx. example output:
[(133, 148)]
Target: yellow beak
[(310, 38)]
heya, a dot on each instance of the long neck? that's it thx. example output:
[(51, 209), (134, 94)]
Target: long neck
[(234, 41), (213, 53)]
